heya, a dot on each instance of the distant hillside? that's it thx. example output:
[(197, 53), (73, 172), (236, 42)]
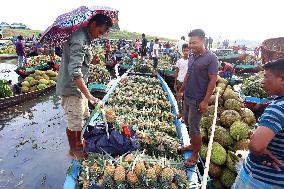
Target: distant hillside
[(23, 32), (111, 35), (134, 35)]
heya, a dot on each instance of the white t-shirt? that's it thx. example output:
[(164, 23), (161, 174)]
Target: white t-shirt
[(155, 46), (179, 45), (182, 65)]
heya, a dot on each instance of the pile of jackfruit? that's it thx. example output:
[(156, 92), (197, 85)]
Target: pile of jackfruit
[(39, 80)]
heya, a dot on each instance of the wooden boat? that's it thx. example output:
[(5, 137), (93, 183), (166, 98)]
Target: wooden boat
[(227, 55), (8, 56), (24, 72), (19, 98), (122, 68), (193, 174), (247, 68)]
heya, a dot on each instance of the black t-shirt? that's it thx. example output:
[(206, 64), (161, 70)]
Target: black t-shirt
[(144, 42)]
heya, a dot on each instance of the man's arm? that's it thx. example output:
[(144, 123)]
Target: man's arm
[(260, 140), (176, 75), (211, 86)]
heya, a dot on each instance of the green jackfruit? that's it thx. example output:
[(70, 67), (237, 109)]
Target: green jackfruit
[(232, 104), (232, 159), (206, 121), (228, 178), (222, 136), (218, 154), (239, 130), (248, 116), (228, 117), (241, 145), (203, 151)]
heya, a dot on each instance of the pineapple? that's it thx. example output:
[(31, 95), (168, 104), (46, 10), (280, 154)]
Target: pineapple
[(109, 171), (151, 174), (174, 186), (110, 115), (119, 174), (129, 158), (167, 174), (157, 169), (139, 168), (132, 178)]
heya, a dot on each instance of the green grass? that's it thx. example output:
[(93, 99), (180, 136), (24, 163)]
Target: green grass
[(111, 35)]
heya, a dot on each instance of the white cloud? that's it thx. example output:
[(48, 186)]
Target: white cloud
[(251, 19)]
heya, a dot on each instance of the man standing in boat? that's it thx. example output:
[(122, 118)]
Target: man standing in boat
[(73, 76), (197, 88), (264, 167)]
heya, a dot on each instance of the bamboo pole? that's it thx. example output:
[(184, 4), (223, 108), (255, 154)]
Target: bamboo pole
[(205, 175)]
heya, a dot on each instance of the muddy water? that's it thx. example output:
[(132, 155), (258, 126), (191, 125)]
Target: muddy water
[(33, 144)]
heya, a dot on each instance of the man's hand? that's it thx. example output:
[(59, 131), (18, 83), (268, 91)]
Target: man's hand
[(93, 99), (203, 106), (273, 162)]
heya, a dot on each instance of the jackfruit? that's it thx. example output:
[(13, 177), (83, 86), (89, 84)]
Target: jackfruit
[(233, 104), (228, 117), (228, 178), (248, 116), (222, 136), (239, 130), (218, 154)]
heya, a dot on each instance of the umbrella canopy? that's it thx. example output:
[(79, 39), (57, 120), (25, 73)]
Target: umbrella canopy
[(70, 22)]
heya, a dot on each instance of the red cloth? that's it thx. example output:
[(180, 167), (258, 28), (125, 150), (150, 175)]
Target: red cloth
[(228, 67), (134, 55)]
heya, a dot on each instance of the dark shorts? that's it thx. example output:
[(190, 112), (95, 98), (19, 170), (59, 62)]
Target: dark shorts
[(192, 116), (155, 62), (143, 52)]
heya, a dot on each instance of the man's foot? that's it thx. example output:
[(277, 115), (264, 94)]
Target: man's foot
[(191, 162), (179, 116), (184, 148), (77, 155)]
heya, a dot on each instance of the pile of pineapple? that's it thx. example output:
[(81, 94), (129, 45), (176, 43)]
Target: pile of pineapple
[(165, 63), (139, 101), (233, 125), (142, 103), (99, 74), (143, 66), (8, 50), (37, 60), (99, 52), (134, 170)]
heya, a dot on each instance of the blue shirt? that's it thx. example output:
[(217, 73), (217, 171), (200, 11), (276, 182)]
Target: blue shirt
[(199, 68), (273, 118)]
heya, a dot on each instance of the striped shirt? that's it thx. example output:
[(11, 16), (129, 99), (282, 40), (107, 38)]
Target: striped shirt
[(273, 118)]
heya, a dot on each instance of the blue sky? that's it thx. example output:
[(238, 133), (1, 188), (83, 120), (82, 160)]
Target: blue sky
[(240, 19)]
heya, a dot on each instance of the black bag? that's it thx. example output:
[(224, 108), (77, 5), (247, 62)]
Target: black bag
[(97, 141)]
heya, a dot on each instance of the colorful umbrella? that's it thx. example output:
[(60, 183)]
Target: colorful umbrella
[(69, 22)]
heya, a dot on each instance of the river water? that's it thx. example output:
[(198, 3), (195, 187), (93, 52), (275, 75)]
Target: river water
[(33, 145)]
